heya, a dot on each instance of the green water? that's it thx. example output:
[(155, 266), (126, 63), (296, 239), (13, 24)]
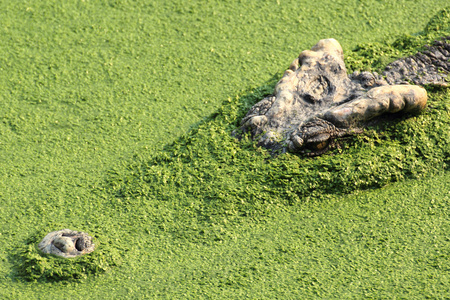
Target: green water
[(92, 91)]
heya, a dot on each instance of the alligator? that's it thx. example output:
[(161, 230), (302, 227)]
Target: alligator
[(67, 243), (316, 101)]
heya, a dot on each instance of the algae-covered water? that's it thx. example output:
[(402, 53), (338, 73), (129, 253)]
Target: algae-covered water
[(116, 119)]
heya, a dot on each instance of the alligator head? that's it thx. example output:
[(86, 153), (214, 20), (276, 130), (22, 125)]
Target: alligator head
[(316, 101)]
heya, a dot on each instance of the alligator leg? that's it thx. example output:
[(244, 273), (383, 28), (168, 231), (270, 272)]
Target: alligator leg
[(378, 101)]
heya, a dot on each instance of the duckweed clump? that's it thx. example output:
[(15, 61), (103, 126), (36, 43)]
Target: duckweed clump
[(33, 265)]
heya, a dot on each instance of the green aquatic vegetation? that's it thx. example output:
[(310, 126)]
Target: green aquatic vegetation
[(375, 56), (95, 98)]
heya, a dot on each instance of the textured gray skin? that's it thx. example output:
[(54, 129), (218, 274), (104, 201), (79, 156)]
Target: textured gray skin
[(316, 101), (431, 66), (67, 243)]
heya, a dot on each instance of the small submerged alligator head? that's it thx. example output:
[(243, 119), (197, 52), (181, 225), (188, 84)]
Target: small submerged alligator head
[(316, 101), (67, 243)]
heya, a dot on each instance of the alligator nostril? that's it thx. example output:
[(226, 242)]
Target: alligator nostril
[(80, 245)]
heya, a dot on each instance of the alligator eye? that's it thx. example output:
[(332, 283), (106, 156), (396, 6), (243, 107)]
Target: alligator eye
[(317, 145)]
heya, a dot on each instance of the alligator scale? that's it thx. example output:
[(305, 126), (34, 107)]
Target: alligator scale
[(316, 100)]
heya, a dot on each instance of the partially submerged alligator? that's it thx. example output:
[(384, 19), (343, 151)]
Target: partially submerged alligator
[(67, 243), (316, 101)]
